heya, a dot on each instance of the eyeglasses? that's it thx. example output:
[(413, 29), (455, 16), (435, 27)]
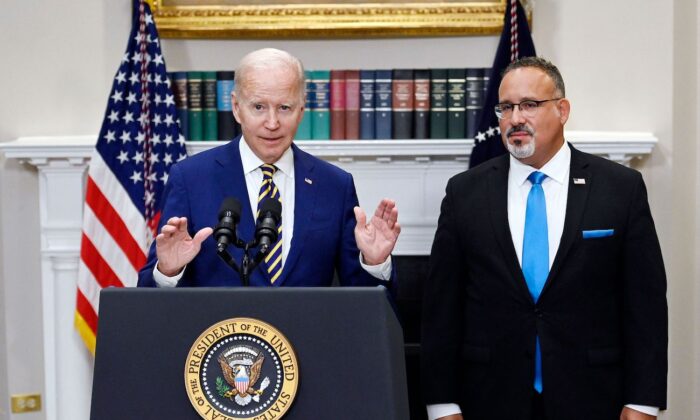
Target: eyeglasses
[(527, 108)]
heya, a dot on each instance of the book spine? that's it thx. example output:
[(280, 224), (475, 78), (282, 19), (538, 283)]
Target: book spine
[(486, 77), (321, 125), (402, 104), (304, 129), (225, 121), (475, 98), (352, 104), (421, 104), (179, 83), (382, 91), (194, 100), (438, 103), (456, 128), (367, 105), (209, 112), (337, 104)]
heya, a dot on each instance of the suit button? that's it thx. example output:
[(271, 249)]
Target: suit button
[(538, 313)]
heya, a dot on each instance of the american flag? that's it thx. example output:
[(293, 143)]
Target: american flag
[(516, 42), (138, 143)]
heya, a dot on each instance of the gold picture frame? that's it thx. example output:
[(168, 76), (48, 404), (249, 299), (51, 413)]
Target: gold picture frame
[(266, 19)]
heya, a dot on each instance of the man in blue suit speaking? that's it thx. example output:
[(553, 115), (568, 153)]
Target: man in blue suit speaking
[(322, 229)]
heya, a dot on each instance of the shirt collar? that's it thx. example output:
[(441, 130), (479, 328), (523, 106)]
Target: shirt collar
[(251, 162), (557, 168)]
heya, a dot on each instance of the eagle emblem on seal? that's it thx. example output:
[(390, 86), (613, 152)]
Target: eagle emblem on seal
[(241, 366)]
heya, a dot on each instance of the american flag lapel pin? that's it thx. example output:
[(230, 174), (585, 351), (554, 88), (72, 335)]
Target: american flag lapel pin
[(308, 181), (579, 181)]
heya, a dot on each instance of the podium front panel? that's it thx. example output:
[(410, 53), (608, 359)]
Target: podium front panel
[(348, 344)]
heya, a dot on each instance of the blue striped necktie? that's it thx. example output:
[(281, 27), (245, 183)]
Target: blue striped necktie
[(536, 253), (268, 189)]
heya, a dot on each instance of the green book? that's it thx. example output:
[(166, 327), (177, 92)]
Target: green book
[(194, 100), (209, 100), (304, 129), (320, 105), (456, 103), (438, 103)]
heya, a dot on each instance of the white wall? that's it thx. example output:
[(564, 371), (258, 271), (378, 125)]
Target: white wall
[(628, 65), (58, 59), (685, 294)]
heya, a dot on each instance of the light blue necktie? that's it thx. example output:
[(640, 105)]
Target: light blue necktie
[(536, 253)]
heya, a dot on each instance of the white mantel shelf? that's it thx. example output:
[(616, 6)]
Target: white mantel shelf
[(413, 172), (621, 147)]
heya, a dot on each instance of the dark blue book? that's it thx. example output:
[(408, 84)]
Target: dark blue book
[(367, 105), (226, 122), (475, 100), (383, 97), (179, 83), (486, 72)]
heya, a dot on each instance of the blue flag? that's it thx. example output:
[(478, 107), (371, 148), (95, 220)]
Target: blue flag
[(516, 42), (138, 143)]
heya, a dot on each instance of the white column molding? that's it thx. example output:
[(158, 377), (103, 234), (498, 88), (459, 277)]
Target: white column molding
[(61, 163), (413, 172)]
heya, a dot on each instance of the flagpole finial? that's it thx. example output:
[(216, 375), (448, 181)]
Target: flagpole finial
[(528, 6)]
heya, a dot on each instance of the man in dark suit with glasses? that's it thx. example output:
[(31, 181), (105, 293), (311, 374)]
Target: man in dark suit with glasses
[(546, 296)]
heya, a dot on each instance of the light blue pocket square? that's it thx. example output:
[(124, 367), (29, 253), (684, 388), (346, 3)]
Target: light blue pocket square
[(600, 233)]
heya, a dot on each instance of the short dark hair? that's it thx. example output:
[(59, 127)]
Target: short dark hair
[(542, 64)]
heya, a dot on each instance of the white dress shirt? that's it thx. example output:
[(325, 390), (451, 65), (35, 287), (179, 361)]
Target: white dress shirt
[(284, 180), (556, 193)]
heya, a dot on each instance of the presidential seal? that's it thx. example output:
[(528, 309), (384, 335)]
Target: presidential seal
[(241, 368)]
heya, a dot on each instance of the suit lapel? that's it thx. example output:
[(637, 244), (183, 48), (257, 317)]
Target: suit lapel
[(232, 184), (575, 207), (304, 203), (498, 205)]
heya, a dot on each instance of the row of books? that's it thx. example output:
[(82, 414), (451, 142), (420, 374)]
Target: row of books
[(203, 104), (348, 104)]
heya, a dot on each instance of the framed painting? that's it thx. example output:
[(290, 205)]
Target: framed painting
[(323, 19)]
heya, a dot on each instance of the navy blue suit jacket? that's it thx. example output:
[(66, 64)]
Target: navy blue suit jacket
[(324, 221)]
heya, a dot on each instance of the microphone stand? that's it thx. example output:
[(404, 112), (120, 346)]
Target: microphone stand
[(229, 216), (247, 264)]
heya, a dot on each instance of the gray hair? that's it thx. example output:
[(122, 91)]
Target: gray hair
[(542, 64), (268, 59)]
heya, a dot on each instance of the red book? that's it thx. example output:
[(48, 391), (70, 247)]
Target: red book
[(337, 104), (352, 104), (421, 104)]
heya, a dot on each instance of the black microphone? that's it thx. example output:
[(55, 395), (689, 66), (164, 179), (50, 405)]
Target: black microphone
[(268, 220), (229, 216)]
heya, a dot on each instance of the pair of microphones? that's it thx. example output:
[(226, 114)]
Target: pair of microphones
[(266, 234)]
